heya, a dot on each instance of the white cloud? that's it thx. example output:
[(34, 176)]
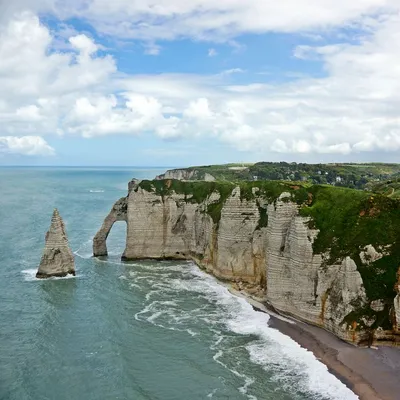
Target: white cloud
[(38, 86), (198, 109), (25, 145), (212, 52), (222, 20), (83, 44), (354, 108), (233, 71), (151, 20), (152, 49)]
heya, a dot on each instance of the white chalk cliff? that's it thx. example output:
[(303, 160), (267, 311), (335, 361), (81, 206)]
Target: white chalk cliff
[(265, 246), (186, 175), (57, 258)]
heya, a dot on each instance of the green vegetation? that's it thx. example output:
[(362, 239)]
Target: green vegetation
[(263, 221), (356, 176), (390, 188), (381, 318), (347, 220), (199, 191)]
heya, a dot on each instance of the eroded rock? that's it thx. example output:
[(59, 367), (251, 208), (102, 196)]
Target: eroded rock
[(396, 324), (57, 258), (117, 213), (262, 244), (370, 255)]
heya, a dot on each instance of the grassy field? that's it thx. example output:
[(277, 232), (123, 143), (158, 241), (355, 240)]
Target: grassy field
[(356, 176)]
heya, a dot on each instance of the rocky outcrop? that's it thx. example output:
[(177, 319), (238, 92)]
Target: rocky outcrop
[(186, 175), (257, 237), (57, 258), (369, 255), (396, 324)]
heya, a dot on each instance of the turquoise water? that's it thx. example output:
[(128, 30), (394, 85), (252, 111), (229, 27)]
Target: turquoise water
[(143, 330)]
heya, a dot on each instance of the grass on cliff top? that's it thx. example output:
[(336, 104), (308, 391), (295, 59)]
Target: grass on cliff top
[(199, 191), (348, 220)]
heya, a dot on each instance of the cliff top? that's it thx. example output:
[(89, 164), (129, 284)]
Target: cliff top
[(359, 176)]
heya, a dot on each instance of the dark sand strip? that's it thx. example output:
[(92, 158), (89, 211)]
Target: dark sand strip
[(372, 374)]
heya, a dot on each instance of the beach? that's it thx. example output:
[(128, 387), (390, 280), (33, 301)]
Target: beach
[(372, 373)]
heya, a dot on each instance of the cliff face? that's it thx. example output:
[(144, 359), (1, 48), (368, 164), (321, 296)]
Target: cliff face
[(57, 258), (266, 236), (186, 174)]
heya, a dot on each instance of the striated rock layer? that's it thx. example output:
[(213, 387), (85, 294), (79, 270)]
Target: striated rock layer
[(257, 237), (57, 258)]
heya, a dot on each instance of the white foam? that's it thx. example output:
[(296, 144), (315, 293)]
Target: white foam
[(275, 348), (96, 191), (135, 286), (30, 276), (293, 367), (85, 250), (247, 380)]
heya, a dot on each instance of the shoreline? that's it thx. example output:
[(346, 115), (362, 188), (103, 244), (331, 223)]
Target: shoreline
[(371, 373)]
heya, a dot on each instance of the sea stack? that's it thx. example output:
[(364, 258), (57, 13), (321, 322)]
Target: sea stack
[(57, 258)]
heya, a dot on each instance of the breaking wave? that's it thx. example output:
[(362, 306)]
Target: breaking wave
[(30, 275), (183, 298)]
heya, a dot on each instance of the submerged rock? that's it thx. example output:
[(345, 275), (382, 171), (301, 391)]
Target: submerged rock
[(57, 258)]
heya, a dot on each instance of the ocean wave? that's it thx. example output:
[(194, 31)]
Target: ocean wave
[(30, 276), (96, 191), (85, 249), (294, 368)]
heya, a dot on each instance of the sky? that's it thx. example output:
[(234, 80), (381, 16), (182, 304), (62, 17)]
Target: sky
[(179, 83)]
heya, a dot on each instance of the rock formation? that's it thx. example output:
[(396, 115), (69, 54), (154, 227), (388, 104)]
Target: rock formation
[(396, 325), (265, 236), (57, 258), (186, 175), (117, 213)]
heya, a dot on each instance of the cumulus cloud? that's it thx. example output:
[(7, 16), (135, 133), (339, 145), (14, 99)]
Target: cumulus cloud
[(206, 19), (39, 86), (25, 145), (102, 115), (83, 44), (353, 108)]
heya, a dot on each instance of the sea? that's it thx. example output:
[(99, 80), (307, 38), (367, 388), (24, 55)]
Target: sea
[(127, 330)]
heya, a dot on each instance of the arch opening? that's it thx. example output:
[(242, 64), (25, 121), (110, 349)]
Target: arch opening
[(116, 239), (118, 213)]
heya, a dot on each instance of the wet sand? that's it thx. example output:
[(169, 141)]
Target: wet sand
[(373, 374)]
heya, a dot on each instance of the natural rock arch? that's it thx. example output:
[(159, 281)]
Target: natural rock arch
[(119, 212)]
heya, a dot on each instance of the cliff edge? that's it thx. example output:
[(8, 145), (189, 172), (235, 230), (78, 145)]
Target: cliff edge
[(328, 256)]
